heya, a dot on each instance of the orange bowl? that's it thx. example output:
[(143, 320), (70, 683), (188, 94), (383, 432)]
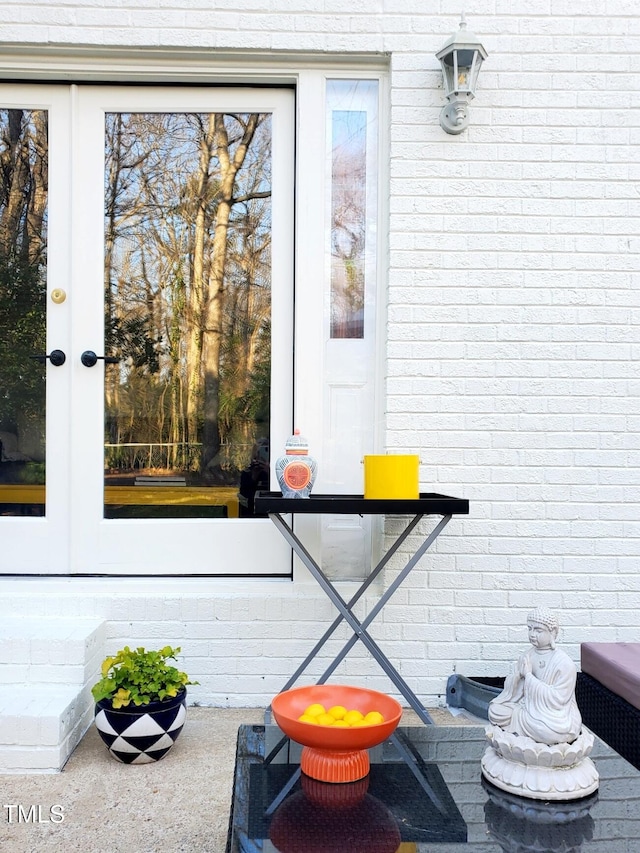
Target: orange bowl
[(288, 706)]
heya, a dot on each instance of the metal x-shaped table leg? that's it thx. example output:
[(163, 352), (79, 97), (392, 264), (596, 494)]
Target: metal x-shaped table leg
[(345, 608)]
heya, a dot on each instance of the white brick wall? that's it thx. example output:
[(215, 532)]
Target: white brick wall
[(513, 333)]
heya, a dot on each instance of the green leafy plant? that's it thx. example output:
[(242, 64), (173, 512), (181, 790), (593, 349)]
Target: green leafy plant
[(140, 677), (33, 473)]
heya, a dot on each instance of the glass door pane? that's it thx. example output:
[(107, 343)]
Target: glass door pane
[(187, 313), (23, 287)]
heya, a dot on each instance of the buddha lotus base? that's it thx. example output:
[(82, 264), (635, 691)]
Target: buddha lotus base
[(539, 771)]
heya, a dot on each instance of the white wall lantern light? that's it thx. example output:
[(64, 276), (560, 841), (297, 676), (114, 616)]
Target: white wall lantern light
[(461, 58)]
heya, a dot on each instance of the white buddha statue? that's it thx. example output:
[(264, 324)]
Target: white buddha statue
[(538, 747), (538, 699)]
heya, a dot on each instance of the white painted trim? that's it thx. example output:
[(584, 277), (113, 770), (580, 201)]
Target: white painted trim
[(382, 288), (162, 587), (313, 357), (158, 65)]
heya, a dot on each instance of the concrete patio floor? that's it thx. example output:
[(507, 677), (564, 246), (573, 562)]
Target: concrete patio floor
[(177, 805)]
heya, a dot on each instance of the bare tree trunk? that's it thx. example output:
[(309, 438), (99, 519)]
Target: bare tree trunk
[(197, 289), (111, 385), (16, 180), (25, 185), (39, 189), (212, 330)]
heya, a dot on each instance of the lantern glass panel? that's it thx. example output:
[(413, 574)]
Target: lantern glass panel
[(465, 57), (448, 78)]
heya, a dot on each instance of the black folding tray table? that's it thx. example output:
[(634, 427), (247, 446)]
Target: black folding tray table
[(429, 503)]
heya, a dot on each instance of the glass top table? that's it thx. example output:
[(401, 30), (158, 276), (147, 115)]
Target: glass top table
[(424, 794)]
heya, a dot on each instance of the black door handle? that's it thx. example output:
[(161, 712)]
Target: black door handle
[(89, 358), (56, 357)]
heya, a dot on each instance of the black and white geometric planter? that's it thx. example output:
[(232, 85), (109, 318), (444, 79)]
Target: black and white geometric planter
[(139, 735)]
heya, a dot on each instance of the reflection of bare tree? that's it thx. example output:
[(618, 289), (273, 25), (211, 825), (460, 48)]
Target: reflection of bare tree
[(23, 188), (188, 276), (348, 224), (23, 207), (230, 161), (121, 164)]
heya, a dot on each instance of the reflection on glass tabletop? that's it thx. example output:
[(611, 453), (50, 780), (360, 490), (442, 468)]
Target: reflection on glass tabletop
[(424, 794)]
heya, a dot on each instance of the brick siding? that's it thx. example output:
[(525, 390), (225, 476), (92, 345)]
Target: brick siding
[(513, 332)]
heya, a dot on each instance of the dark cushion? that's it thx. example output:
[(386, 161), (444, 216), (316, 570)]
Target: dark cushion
[(616, 665)]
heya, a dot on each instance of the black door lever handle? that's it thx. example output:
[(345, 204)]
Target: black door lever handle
[(56, 357), (89, 358)]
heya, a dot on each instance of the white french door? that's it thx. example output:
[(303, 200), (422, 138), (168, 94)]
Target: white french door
[(167, 281), (35, 140)]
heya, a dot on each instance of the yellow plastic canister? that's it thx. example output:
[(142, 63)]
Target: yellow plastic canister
[(394, 477)]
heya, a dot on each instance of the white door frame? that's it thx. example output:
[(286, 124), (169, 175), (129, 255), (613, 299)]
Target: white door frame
[(167, 546)]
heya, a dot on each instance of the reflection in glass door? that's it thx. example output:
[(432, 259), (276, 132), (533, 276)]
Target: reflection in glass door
[(23, 285), (183, 202), (187, 313)]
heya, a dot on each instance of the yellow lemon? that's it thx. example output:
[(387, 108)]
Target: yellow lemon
[(340, 724), (315, 710), (337, 711), (374, 718), (307, 718), (325, 720), (352, 717), (359, 723)]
